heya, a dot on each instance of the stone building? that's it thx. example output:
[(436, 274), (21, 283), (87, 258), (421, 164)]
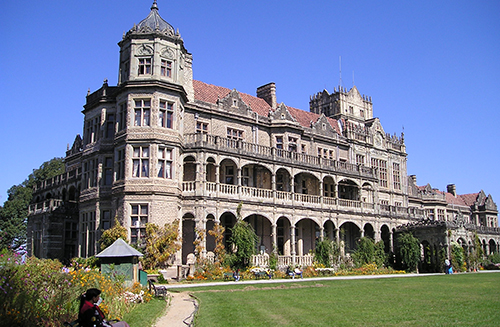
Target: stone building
[(161, 146)]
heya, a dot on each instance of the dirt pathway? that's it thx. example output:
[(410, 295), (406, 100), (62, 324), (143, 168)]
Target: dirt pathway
[(180, 312)]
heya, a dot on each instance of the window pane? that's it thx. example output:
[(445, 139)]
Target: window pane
[(135, 210), (145, 168), (146, 117), (144, 210)]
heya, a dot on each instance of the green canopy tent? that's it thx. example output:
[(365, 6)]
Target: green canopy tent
[(121, 259)]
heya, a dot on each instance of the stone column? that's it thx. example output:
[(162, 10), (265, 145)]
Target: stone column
[(274, 237), (292, 243), (217, 179), (391, 241)]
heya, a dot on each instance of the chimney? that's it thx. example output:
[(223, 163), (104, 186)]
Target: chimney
[(268, 93), (451, 188)]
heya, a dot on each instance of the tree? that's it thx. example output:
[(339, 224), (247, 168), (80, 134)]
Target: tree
[(109, 236), (161, 244), (325, 252), (476, 254), (243, 241), (369, 252), (220, 251), (13, 216), (14, 213), (409, 251), (457, 257)]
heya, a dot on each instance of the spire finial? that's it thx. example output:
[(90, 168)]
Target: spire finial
[(154, 6)]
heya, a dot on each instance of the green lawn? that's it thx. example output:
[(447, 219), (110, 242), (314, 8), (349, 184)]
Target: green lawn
[(145, 314), (445, 300)]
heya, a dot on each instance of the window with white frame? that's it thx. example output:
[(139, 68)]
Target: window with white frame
[(201, 127), (396, 177), (382, 170), (138, 220), (142, 112), (166, 114), (144, 66), (164, 162), (140, 162), (234, 134), (279, 142), (166, 68)]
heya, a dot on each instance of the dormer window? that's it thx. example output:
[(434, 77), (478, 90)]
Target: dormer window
[(144, 66), (166, 68)]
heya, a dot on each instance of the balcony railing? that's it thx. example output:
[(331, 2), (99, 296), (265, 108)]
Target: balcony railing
[(229, 191), (48, 205), (207, 141), (58, 180), (262, 260)]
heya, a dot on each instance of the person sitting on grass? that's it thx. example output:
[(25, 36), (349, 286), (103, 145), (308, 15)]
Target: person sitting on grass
[(269, 273), (90, 315)]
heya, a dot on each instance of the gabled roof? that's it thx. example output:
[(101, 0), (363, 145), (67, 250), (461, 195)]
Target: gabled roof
[(469, 199), (458, 200), (119, 249), (211, 93)]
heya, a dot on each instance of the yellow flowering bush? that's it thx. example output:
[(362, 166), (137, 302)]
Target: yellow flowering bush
[(47, 294)]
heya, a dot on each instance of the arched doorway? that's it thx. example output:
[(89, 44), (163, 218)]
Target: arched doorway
[(262, 227), (369, 231), (188, 236), (350, 233), (227, 220)]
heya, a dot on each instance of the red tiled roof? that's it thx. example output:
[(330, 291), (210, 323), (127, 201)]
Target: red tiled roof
[(458, 200), (469, 199), (210, 93)]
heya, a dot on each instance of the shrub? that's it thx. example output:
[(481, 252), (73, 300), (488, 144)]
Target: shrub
[(326, 253), (409, 250), (369, 252), (47, 294), (457, 257)]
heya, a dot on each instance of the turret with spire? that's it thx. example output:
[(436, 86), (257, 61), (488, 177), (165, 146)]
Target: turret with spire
[(153, 50)]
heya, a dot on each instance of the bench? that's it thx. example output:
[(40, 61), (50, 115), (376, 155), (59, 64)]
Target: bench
[(228, 276), (260, 274), (158, 290)]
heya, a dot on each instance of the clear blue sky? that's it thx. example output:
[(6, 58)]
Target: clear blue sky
[(432, 67)]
